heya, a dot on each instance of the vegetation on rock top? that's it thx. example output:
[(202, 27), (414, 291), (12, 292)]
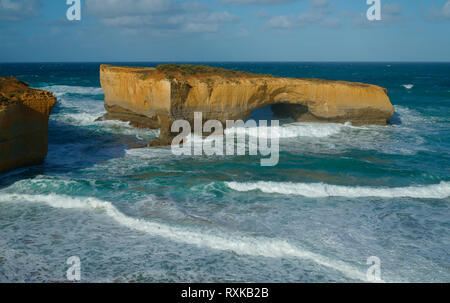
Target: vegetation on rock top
[(192, 70)]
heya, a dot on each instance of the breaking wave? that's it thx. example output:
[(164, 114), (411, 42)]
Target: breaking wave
[(408, 86), (240, 244), (321, 190), (80, 119), (61, 90), (291, 130)]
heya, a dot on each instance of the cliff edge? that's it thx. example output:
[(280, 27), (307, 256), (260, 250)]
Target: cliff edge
[(24, 114)]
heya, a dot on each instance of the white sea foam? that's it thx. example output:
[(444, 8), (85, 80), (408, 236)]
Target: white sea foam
[(87, 119), (292, 130), (238, 243), (320, 190), (408, 86), (79, 119), (84, 111), (149, 152), (411, 118), (402, 139), (61, 90)]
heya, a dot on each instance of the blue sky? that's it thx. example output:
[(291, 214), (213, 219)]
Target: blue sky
[(224, 30)]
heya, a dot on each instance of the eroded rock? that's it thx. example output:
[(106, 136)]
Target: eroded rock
[(24, 114), (167, 93)]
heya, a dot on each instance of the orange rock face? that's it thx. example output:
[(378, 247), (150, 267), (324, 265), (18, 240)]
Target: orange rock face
[(24, 114), (172, 92)]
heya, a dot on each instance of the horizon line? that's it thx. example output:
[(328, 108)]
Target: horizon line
[(214, 61)]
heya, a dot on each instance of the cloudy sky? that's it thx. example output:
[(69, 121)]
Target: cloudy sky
[(224, 30)]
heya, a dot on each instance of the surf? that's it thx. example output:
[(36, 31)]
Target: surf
[(322, 190), (291, 130), (61, 90), (237, 243)]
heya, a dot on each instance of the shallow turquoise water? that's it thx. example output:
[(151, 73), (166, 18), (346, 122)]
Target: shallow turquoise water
[(339, 194)]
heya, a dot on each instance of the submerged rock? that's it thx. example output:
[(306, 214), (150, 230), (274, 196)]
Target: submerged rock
[(155, 97), (24, 114)]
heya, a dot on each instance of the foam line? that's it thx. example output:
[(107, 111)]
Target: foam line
[(320, 190), (291, 130), (240, 244)]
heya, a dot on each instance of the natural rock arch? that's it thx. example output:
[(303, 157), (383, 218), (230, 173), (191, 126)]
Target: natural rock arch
[(155, 97)]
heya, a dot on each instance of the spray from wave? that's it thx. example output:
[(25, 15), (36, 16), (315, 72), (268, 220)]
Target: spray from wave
[(321, 190), (240, 244)]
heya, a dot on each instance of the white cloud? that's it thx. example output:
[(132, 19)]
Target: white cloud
[(318, 14), (160, 16), (12, 10), (445, 12), (282, 22), (250, 2), (115, 8), (261, 14), (331, 23), (243, 32), (320, 3), (391, 9), (439, 13)]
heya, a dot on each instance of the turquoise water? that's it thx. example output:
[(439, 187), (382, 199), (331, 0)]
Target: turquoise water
[(339, 194)]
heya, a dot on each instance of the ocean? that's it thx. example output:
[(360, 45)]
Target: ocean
[(339, 195)]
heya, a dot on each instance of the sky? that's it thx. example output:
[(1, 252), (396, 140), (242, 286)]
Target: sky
[(224, 30)]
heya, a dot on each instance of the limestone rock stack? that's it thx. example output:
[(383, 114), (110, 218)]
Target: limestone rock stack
[(24, 114)]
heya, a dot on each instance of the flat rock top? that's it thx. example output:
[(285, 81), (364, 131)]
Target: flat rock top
[(14, 90), (185, 70), (11, 89), (204, 72)]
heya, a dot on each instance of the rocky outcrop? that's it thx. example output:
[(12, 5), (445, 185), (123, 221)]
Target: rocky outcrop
[(24, 114), (154, 97)]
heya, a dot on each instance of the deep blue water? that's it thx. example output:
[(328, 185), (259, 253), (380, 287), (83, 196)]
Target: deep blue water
[(339, 194)]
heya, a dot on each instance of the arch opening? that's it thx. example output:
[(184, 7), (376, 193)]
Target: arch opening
[(286, 113)]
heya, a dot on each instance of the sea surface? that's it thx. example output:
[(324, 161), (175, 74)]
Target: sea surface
[(339, 195)]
